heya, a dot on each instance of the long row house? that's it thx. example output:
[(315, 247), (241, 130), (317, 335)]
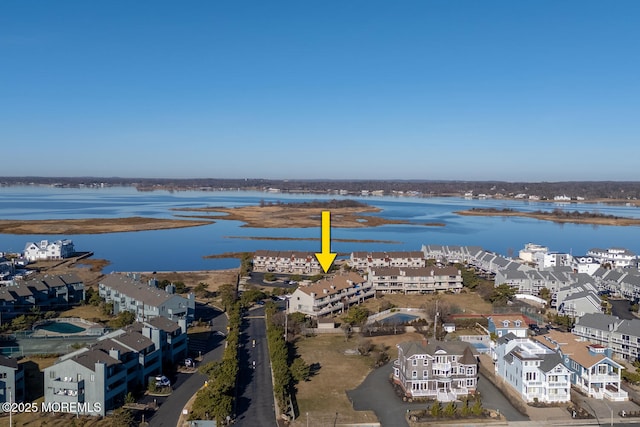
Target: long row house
[(290, 262), (47, 292)]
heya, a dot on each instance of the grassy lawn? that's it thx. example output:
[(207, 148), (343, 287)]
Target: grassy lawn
[(87, 312), (325, 393), (470, 302)]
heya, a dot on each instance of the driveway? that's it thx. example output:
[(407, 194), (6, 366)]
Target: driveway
[(376, 394)]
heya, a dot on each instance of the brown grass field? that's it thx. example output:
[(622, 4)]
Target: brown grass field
[(470, 302), (325, 393)]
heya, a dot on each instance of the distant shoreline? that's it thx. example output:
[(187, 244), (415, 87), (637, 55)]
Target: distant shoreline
[(557, 216), (313, 239)]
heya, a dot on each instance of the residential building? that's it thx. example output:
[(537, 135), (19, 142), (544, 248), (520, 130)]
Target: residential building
[(126, 293), (44, 250), (290, 262), (584, 264), (409, 280), (621, 336), (503, 324), (47, 292), (536, 372), (526, 254), (93, 381), (615, 257), (593, 371), (11, 380), (329, 295), (119, 362), (445, 371), (365, 260)]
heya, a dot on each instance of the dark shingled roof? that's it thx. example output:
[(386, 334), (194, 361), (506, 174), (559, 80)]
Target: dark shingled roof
[(134, 340), (550, 361), (151, 296), (89, 358), (164, 324), (8, 362), (450, 347)]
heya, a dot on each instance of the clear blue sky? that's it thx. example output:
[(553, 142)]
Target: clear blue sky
[(469, 90)]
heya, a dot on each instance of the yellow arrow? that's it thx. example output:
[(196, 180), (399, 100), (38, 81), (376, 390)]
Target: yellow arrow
[(325, 258)]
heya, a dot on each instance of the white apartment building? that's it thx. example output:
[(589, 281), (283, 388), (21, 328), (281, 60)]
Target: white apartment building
[(421, 280), (364, 260), (289, 262), (616, 257)]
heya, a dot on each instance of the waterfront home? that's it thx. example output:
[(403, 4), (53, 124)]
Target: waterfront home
[(290, 262), (536, 372), (146, 301), (446, 371), (409, 280), (364, 260), (615, 257), (329, 295), (11, 380), (46, 250), (593, 371)]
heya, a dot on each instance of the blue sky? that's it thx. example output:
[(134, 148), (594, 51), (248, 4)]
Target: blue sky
[(464, 90)]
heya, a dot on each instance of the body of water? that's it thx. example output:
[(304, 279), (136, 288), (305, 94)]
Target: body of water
[(183, 249)]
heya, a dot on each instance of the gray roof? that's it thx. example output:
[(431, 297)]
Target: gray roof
[(411, 348), (599, 321), (164, 324), (151, 296), (550, 361), (88, 359), (8, 362), (71, 278), (54, 281), (629, 327), (134, 340)]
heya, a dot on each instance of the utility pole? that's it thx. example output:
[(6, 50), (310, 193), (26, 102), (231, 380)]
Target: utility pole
[(435, 321)]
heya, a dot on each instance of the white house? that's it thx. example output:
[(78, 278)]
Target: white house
[(43, 250), (536, 372)]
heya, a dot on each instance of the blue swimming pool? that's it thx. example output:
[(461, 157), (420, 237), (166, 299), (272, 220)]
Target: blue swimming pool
[(398, 319)]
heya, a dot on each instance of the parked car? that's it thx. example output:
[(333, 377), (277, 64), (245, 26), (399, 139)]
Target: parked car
[(162, 381)]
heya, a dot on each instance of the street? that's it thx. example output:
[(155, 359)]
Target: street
[(255, 404)]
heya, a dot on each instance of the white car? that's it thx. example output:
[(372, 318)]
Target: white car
[(162, 381)]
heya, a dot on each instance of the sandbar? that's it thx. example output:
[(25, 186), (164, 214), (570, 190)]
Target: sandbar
[(556, 216), (94, 225)]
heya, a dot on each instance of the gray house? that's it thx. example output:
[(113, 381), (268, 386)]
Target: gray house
[(11, 380)]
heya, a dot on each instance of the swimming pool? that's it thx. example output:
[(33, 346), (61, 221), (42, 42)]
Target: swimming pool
[(398, 319), (61, 328)]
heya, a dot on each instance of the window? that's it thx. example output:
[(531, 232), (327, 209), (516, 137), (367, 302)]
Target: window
[(414, 374), (470, 370), (425, 362), (93, 378), (425, 374), (52, 374), (414, 362), (531, 376)]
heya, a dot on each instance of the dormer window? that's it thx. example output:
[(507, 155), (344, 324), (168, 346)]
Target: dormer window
[(505, 323), (517, 323)]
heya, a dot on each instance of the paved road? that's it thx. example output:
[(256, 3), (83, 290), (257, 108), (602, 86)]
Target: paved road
[(186, 385), (376, 394), (255, 405)]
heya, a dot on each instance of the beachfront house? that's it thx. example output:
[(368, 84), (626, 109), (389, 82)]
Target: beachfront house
[(364, 260), (622, 336), (446, 371), (46, 250), (503, 324)]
